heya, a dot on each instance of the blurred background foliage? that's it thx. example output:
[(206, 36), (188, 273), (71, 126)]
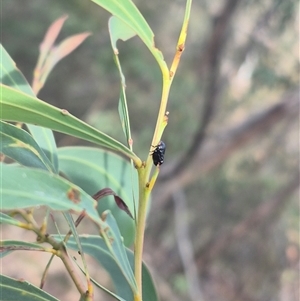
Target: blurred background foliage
[(232, 160)]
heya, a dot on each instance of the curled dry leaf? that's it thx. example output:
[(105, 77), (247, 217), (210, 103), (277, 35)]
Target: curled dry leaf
[(120, 203)]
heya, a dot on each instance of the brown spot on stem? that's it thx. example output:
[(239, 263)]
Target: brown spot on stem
[(180, 47)]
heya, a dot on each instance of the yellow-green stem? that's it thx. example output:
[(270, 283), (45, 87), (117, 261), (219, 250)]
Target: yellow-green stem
[(139, 238), (146, 185), (163, 106)]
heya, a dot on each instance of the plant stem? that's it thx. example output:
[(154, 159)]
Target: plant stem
[(140, 230), (145, 187), (70, 268), (144, 170)]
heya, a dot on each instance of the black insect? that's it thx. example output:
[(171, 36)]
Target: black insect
[(159, 153)]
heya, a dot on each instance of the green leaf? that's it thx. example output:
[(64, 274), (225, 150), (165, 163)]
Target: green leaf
[(96, 247), (103, 288), (119, 30), (17, 106), (7, 246), (94, 169), (115, 249), (6, 219), (128, 13), (20, 290), (11, 76), (45, 139), (25, 187), (21, 147), (124, 116)]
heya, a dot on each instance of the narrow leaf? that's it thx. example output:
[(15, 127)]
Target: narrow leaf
[(96, 247), (51, 35), (15, 245), (45, 47), (128, 13), (11, 76), (26, 187), (20, 290), (119, 202), (6, 219), (21, 147), (93, 169), (17, 106), (57, 53), (45, 139), (119, 30), (117, 249), (97, 284), (67, 46)]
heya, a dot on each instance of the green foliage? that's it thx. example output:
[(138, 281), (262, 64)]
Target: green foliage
[(96, 247), (94, 169), (15, 290), (258, 62), (21, 147), (20, 107)]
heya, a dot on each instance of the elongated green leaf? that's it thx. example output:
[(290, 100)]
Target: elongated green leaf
[(113, 244), (73, 229), (94, 169), (96, 247), (128, 13), (25, 187), (11, 76), (6, 219), (20, 146), (118, 250), (14, 245), (20, 290), (106, 290), (124, 116), (119, 30), (45, 139), (17, 106)]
